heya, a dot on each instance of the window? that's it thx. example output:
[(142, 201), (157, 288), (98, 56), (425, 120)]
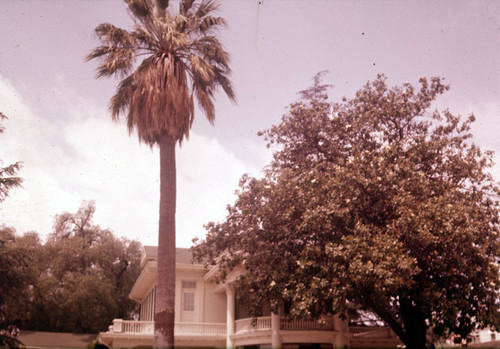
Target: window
[(189, 284), (188, 295), (188, 301)]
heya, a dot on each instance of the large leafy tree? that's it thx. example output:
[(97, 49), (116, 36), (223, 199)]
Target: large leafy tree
[(182, 61), (85, 277), (78, 281), (377, 203)]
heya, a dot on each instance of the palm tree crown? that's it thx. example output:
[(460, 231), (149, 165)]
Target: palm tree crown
[(183, 61)]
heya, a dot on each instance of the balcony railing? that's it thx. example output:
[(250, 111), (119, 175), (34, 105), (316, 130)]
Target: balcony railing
[(135, 327), (250, 325), (264, 323), (246, 325), (181, 328), (325, 324)]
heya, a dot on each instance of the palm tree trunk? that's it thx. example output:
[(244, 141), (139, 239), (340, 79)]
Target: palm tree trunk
[(165, 289)]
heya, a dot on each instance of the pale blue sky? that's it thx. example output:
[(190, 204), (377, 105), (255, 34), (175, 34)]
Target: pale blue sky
[(60, 128)]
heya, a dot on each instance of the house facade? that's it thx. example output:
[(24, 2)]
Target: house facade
[(207, 315)]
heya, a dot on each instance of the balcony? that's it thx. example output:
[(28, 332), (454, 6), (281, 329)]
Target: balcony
[(324, 324), (219, 329), (252, 325), (181, 328)]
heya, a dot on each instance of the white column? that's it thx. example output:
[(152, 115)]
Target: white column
[(341, 332), (117, 325), (275, 331), (230, 310)]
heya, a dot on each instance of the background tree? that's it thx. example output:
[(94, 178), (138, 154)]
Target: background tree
[(78, 281), (183, 61), (16, 274), (377, 203), (8, 178), (11, 259)]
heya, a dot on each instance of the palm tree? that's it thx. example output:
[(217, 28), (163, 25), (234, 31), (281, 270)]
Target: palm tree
[(182, 61)]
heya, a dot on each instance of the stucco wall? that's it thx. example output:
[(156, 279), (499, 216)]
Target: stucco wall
[(215, 304)]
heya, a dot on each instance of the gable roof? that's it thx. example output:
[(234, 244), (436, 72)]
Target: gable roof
[(182, 255), (147, 278)]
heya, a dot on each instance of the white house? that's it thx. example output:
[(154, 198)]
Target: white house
[(207, 315)]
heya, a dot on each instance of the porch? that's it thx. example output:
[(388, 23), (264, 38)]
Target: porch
[(181, 328), (263, 323), (275, 330), (266, 329)]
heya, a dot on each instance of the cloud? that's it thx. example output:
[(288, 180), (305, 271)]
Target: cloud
[(28, 138), (85, 156), (208, 176), (72, 152), (486, 129)]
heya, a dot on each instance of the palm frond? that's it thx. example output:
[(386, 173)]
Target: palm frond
[(162, 4), (185, 6), (204, 96), (116, 60), (201, 70), (183, 61), (144, 40), (140, 8), (117, 51), (206, 7), (224, 82), (211, 50), (180, 23), (120, 101), (113, 36), (210, 23)]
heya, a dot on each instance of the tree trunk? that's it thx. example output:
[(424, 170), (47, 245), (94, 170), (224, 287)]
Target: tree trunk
[(165, 289), (415, 327)]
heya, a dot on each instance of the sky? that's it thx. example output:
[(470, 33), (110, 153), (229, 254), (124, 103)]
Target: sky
[(60, 128)]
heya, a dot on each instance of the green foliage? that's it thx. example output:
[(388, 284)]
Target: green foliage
[(8, 178), (78, 281), (377, 203), (16, 274)]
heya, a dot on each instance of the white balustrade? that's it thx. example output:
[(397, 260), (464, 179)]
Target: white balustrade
[(125, 326), (251, 325), (181, 328), (325, 324)]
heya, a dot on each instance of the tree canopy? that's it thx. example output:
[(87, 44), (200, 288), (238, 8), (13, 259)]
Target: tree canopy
[(377, 202), (78, 281), (15, 276), (12, 260)]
